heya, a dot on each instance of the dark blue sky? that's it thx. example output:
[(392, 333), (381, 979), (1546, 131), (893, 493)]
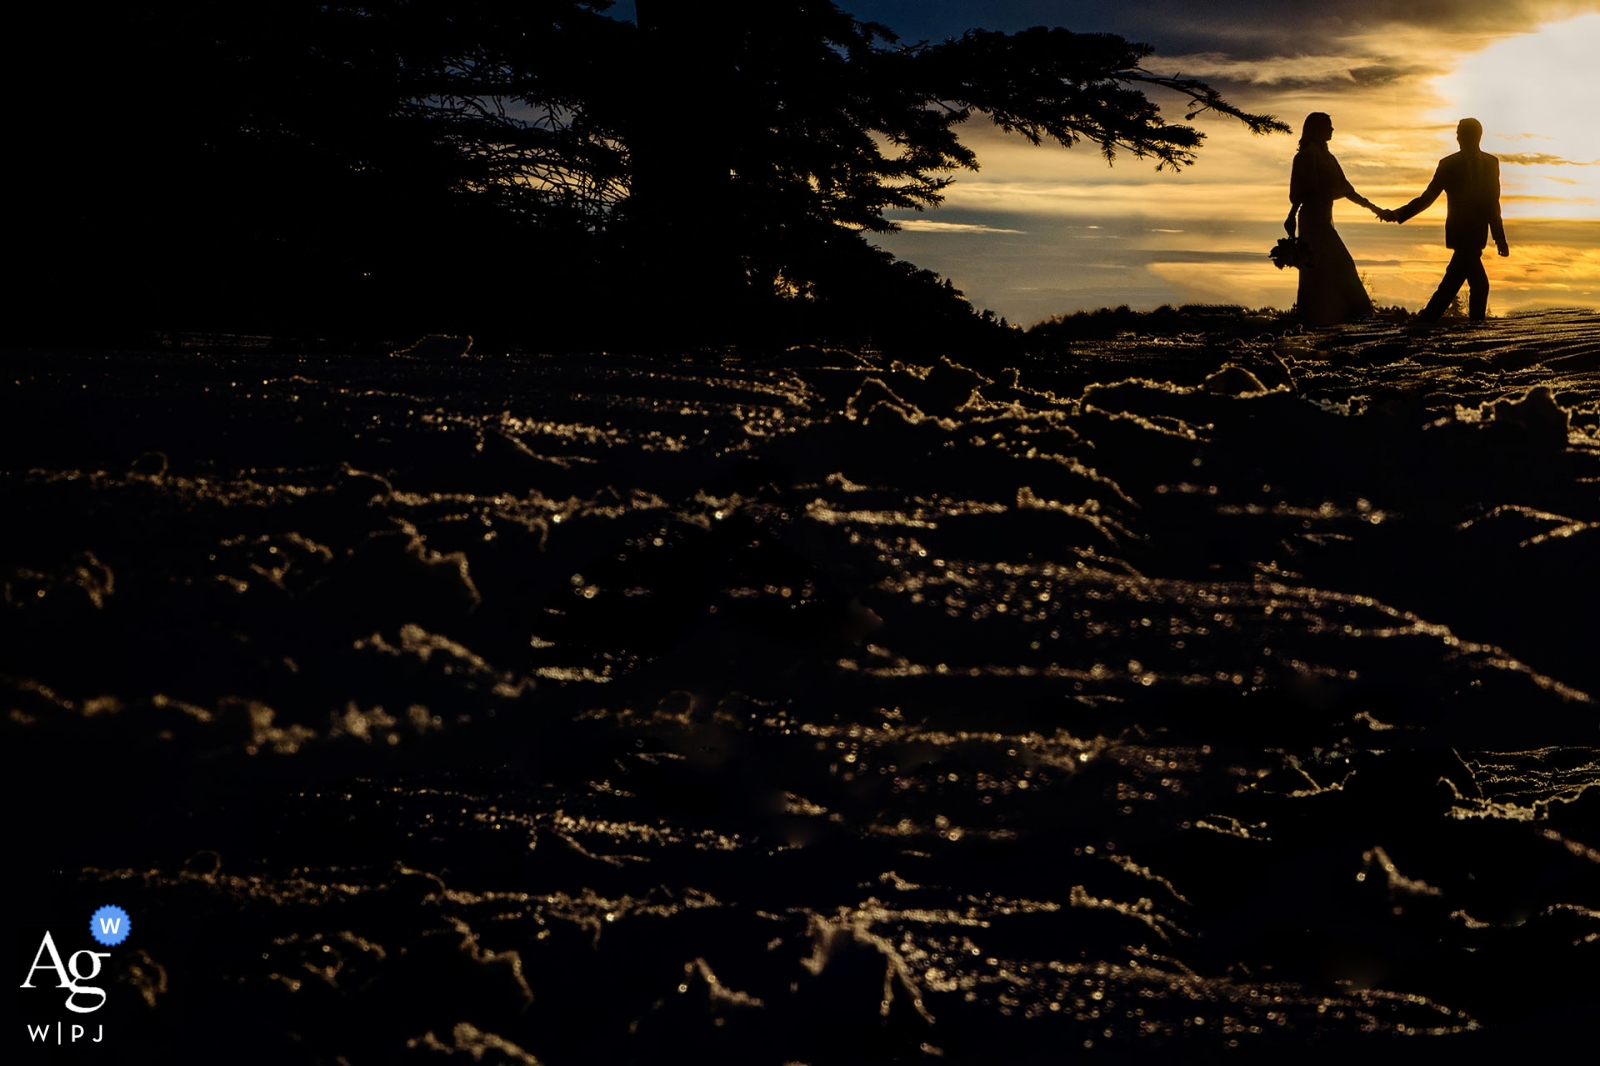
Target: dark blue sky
[(1242, 28), (932, 20)]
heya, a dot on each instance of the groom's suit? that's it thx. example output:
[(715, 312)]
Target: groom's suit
[(1470, 180)]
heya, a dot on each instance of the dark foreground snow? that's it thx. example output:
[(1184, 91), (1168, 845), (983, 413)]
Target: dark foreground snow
[(1180, 697)]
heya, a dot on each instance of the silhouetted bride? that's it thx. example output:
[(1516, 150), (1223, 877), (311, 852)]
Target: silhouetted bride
[(1330, 290)]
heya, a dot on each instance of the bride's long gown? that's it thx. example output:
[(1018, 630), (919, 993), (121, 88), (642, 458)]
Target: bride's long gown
[(1330, 289)]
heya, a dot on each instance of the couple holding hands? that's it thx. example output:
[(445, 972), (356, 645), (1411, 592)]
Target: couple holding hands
[(1330, 290)]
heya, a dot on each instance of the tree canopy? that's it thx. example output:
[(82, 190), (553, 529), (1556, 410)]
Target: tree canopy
[(529, 167)]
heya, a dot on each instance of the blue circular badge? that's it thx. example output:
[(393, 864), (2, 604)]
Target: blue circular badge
[(110, 925)]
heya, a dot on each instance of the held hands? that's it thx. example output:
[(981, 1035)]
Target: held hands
[(1385, 215)]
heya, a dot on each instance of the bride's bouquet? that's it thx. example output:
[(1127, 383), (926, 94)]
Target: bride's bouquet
[(1290, 251)]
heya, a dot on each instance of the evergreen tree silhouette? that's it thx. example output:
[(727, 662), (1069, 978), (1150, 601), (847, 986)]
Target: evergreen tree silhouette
[(529, 167), (779, 134)]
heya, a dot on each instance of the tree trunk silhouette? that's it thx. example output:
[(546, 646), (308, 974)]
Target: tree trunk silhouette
[(687, 276)]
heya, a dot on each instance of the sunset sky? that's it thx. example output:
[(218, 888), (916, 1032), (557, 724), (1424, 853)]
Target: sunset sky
[(1039, 231)]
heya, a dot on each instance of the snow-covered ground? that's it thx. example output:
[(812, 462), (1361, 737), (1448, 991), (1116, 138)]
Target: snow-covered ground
[(1178, 695)]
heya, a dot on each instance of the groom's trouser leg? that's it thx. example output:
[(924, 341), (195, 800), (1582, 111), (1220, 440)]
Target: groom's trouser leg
[(1466, 265), (1477, 287)]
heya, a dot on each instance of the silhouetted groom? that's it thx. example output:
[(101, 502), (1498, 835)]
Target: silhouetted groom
[(1470, 180)]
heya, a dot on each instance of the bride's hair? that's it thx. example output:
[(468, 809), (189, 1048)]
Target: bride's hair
[(1314, 131)]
